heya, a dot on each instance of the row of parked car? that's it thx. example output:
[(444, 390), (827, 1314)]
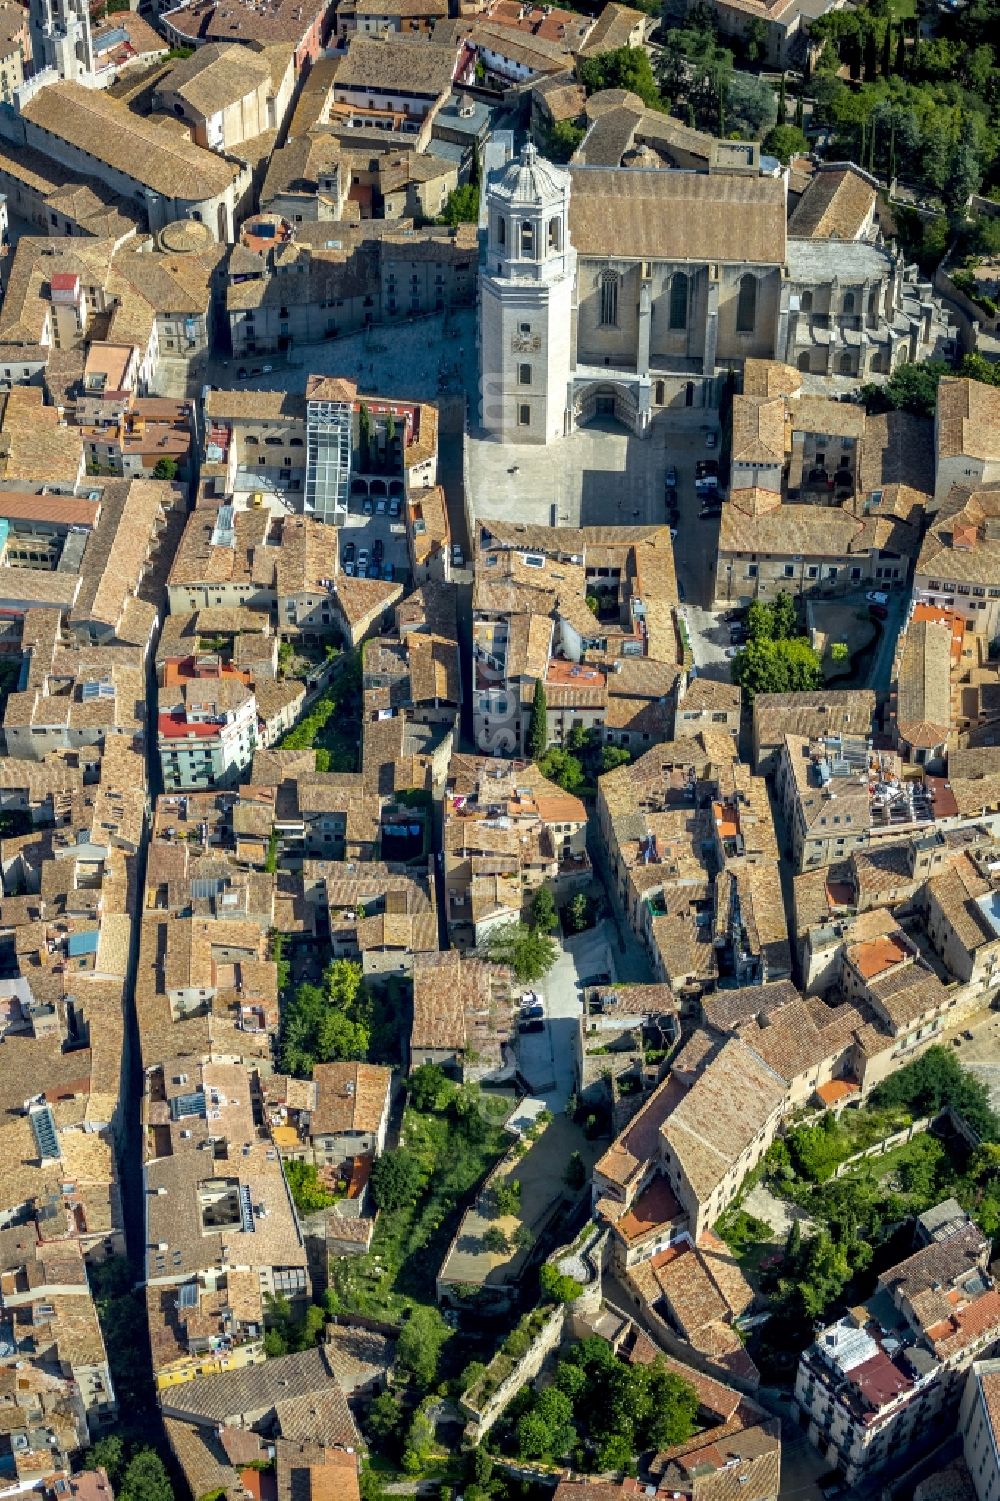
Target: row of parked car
[(359, 562), (381, 507)]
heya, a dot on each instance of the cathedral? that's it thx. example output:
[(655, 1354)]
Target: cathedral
[(620, 290)]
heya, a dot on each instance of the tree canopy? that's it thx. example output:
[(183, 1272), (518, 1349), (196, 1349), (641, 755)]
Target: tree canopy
[(934, 1081), (462, 206), (605, 1411), (395, 1179), (622, 68), (784, 142), (775, 659), (326, 1023), (418, 1350), (530, 953), (538, 731)]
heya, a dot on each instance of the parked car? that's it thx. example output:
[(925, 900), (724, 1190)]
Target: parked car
[(457, 556), (388, 573), (670, 479), (670, 496), (381, 505), (349, 552), (530, 1012), (733, 615), (366, 505), (241, 373), (732, 651), (349, 570), (373, 571), (363, 557), (394, 506), (378, 548), (969, 1036), (737, 634), (673, 534), (711, 440), (877, 597), (878, 612)]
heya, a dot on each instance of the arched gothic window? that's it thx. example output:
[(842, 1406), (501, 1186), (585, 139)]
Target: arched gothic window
[(678, 300), (746, 305), (610, 281)]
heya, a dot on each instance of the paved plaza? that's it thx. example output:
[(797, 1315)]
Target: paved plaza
[(425, 360)]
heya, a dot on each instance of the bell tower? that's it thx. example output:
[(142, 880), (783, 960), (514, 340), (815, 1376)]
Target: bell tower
[(61, 39), (526, 299)]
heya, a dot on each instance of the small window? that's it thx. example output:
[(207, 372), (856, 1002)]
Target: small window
[(554, 234), (501, 231), (527, 238), (524, 375), (524, 415)]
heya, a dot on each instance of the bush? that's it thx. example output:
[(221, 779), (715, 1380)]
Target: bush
[(558, 1286), (303, 1181)]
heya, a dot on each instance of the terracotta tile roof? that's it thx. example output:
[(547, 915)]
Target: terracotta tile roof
[(758, 429), (677, 216), (837, 205), (968, 419), (349, 1097), (923, 685), (146, 150)]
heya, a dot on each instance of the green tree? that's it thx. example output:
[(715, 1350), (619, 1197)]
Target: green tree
[(429, 1088), (964, 176), (418, 1349), (495, 1241), (613, 756), (578, 912), (462, 206), (784, 142), (107, 1454), (910, 388), (622, 68), (507, 1197), (165, 469), (385, 1418), (544, 917), (751, 105), (419, 1448), (934, 1081), (563, 768), (777, 667), (395, 1179), (784, 617), (538, 730), (562, 139), (328, 1023), (546, 1432), (529, 954), (145, 1479)]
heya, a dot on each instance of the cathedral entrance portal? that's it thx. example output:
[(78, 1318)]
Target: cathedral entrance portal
[(603, 400)]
